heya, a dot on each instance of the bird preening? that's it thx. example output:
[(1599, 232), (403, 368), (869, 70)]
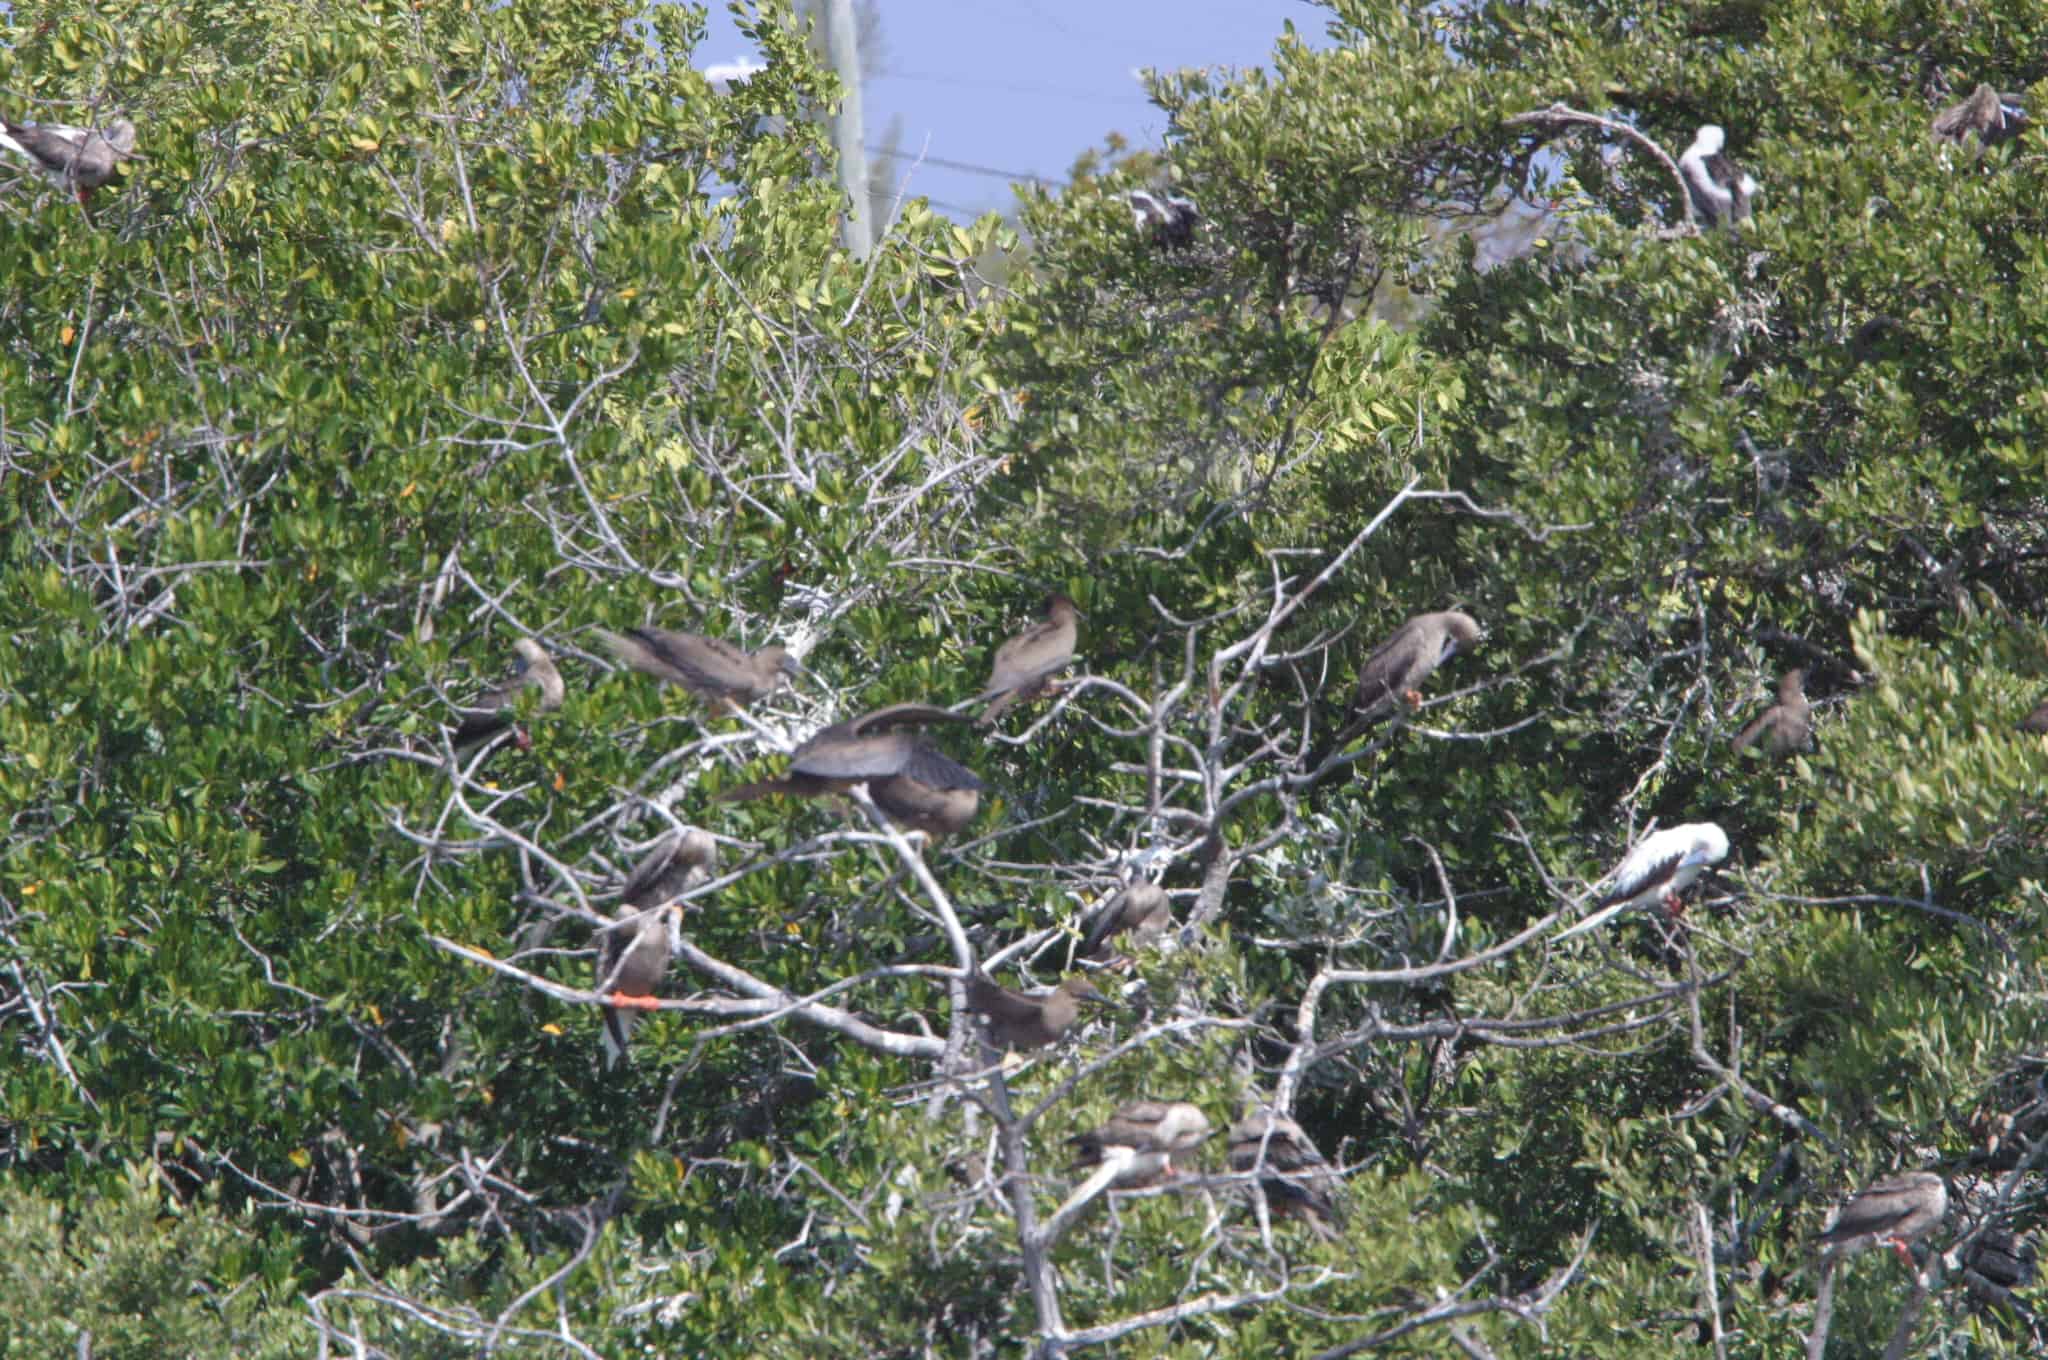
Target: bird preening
[(1721, 190), (80, 158), (633, 955), (491, 714), (1140, 909), (915, 784), (1392, 676)]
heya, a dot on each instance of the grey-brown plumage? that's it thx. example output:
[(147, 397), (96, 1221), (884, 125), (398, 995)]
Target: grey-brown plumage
[(1145, 1134), (937, 811), (711, 668), (2037, 721), (1301, 1183), (912, 782), (678, 862), (1141, 908), (1785, 726), (492, 711), (1893, 1212), (81, 159), (2003, 1257), (1986, 114), (1026, 663), (1014, 1020), (631, 959), (1395, 672)]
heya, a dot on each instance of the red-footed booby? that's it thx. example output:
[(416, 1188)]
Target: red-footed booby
[(1169, 222), (1026, 663), (1721, 191), (1895, 1212), (1017, 1021), (1660, 868), (711, 668), (1144, 1135), (81, 159), (491, 713), (1785, 726), (1990, 116), (1299, 1182)]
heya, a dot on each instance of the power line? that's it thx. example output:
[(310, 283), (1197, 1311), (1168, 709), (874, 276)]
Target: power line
[(1062, 91), (963, 167)]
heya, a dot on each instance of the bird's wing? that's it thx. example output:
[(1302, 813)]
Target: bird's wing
[(932, 767), (1031, 656), (837, 753), (1402, 662), (1758, 727), (1873, 1210), (1000, 1004), (902, 715)]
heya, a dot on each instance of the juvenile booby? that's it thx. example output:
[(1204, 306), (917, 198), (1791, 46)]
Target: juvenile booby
[(711, 668), (1660, 868), (491, 713), (632, 956), (1894, 1212), (1785, 726), (81, 159), (1721, 191), (1145, 1134), (1300, 1183), (1142, 908), (913, 783), (1025, 664)]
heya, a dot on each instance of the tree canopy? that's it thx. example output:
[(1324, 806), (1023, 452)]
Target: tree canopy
[(420, 329)]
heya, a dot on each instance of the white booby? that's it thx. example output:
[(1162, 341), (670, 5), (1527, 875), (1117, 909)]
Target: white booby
[(1721, 190), (1169, 221), (1660, 868)]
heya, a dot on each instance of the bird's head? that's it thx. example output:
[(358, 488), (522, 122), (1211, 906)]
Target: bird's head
[(1708, 141)]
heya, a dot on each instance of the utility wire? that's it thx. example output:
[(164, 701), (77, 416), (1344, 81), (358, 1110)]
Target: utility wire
[(963, 167)]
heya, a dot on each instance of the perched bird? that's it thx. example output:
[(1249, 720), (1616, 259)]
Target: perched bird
[(1406, 659), (711, 668), (1893, 1212), (1299, 1182), (492, 711), (1014, 1020), (1785, 726), (912, 782), (1026, 663), (632, 956), (1140, 907), (2037, 721), (81, 159), (1661, 867), (1145, 1135), (2003, 1257), (1170, 222), (1991, 116), (678, 862), (1721, 191)]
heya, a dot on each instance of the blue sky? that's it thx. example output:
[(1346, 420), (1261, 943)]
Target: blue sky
[(1021, 86)]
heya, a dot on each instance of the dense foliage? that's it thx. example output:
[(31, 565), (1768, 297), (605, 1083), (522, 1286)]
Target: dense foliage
[(426, 327)]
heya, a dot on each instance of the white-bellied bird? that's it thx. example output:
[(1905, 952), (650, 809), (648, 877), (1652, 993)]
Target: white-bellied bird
[(1721, 190), (1660, 868), (1895, 1212)]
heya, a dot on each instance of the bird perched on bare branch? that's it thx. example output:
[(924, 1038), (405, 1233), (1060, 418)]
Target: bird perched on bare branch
[(1014, 1020), (632, 957), (1395, 671), (1660, 868), (1026, 663), (1145, 1135), (1141, 908), (912, 782), (81, 159), (711, 668), (1988, 115), (678, 862), (1785, 726), (1721, 190), (492, 712), (1170, 222), (1297, 1181), (1895, 1212)]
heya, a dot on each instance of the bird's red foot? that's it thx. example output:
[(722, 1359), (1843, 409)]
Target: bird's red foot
[(1898, 1244), (635, 1003), (1674, 906), (521, 740), (1412, 698)]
